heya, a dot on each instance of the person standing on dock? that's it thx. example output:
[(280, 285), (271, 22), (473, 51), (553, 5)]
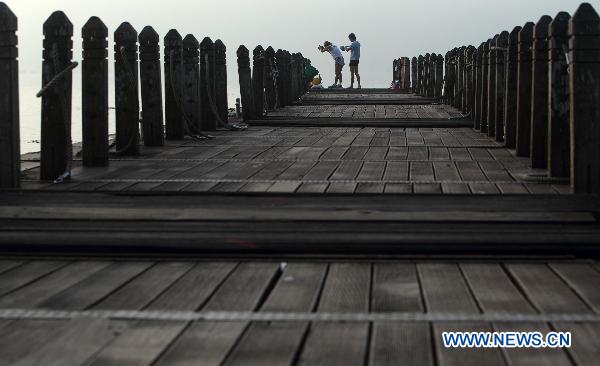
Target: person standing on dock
[(354, 50), (338, 59)]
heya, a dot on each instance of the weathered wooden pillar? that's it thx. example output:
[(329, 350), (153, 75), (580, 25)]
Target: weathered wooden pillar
[(558, 97), (208, 120), (501, 46), (414, 68), (94, 93), (477, 96), (191, 83), (56, 150), (539, 92), (173, 45), (258, 79), (584, 73), (395, 70), (406, 73), (296, 77), (485, 86), (270, 79), (491, 98), (280, 60), (221, 80), (10, 148), (127, 108), (432, 75), (510, 89), (524, 90), (421, 75), (302, 85), (439, 76), (244, 73), (151, 88), (460, 82), (472, 60)]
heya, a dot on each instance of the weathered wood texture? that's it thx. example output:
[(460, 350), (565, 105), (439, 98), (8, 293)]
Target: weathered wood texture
[(511, 89), (151, 88), (94, 89), (127, 109), (245, 80), (258, 80), (539, 95), (477, 117), (208, 120), (485, 86), (524, 90), (270, 79), (221, 81), (558, 111), (56, 101), (491, 97), (283, 77), (501, 46), (584, 73), (173, 59), (10, 161), (191, 82), (414, 71)]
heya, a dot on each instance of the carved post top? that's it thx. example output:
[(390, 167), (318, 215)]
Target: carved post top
[(8, 20), (269, 52), (513, 37), (149, 48), (93, 30), (560, 25), (58, 25), (220, 52), (540, 30), (526, 33), (190, 43), (173, 39), (191, 51), (585, 21), (126, 36), (207, 44), (148, 36), (243, 56), (258, 51), (502, 40)]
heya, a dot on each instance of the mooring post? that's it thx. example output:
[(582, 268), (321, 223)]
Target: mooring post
[(472, 79), (501, 46), (460, 80), (221, 80), (302, 85), (395, 70), (420, 76), (477, 96), (432, 75), (414, 69), (524, 90), (295, 79), (485, 86), (491, 98), (173, 45), (191, 82), (539, 92), (282, 78), (56, 149), (558, 97), (10, 148), (428, 75), (584, 73), (208, 121), (244, 73), (406, 73), (258, 79), (270, 79), (439, 76), (127, 108), (151, 88), (510, 89), (94, 93)]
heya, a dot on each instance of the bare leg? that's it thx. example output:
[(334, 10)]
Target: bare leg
[(352, 71), (357, 75)]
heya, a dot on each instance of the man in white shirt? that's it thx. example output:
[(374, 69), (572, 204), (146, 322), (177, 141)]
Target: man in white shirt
[(354, 49), (338, 58)]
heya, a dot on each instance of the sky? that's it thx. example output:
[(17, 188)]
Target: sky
[(387, 29)]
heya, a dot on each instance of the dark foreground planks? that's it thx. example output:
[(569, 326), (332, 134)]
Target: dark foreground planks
[(450, 287)]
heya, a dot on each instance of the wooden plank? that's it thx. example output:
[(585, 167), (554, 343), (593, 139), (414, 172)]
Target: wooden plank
[(313, 188), (347, 170), (342, 187), (372, 170), (335, 344), (398, 188), (421, 171), (321, 171), (39, 291), (408, 342), (25, 274), (484, 188), (583, 279), (21, 337), (455, 188), (7, 265), (445, 171), (143, 289), (427, 188), (95, 287), (370, 188)]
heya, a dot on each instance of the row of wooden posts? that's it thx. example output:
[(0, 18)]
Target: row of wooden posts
[(195, 90), (535, 89)]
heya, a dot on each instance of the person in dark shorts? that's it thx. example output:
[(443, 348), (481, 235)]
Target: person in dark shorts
[(354, 50)]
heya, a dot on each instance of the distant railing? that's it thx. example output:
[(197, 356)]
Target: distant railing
[(535, 90), (195, 91)]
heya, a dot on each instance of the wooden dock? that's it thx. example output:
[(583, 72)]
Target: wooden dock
[(341, 227)]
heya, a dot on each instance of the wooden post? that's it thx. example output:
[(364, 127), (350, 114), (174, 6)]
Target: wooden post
[(258, 89), (524, 90), (302, 86), (173, 85), (491, 98), (94, 90), (10, 150), (485, 86), (126, 90), (432, 75), (427, 79), (151, 88), (460, 82), (221, 80), (510, 89), (395, 68), (244, 73), (297, 77), (414, 69), (558, 98), (191, 82), (406, 65), (420, 75), (584, 73), (270, 90), (472, 55), (478, 85), (208, 121), (439, 76), (281, 62), (56, 152), (501, 46), (539, 92)]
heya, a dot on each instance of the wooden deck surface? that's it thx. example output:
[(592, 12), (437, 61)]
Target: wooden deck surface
[(67, 292)]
